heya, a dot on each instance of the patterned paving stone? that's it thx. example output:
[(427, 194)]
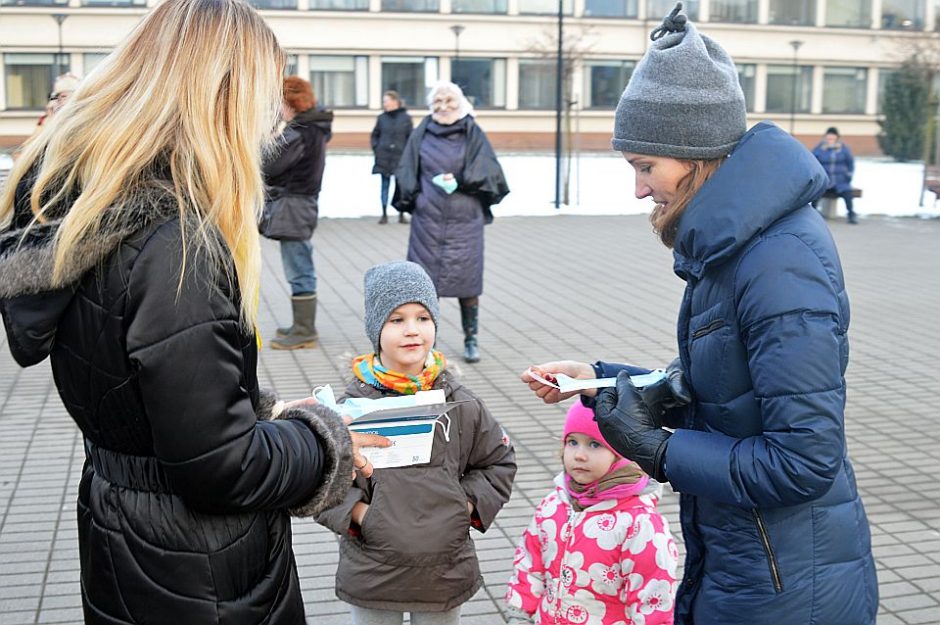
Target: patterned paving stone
[(566, 286)]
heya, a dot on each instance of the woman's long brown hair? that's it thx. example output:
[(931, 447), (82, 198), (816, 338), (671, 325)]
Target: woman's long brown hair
[(665, 219)]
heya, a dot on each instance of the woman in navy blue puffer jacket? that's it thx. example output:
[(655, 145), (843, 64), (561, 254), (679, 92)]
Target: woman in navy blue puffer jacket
[(774, 529)]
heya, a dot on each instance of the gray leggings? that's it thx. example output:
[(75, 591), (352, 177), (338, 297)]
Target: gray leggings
[(368, 616)]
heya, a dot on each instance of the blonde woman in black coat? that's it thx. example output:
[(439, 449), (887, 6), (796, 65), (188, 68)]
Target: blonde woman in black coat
[(130, 257)]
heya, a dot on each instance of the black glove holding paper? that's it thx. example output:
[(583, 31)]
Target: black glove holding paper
[(670, 392), (629, 427)]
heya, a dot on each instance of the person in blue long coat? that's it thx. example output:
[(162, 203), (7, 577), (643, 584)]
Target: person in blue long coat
[(837, 158), (747, 424)]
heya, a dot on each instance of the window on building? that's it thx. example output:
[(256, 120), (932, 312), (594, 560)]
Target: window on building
[(90, 61), (29, 78), (483, 81), (410, 77), (604, 81), (290, 65), (786, 86), (338, 5), (417, 6), (903, 14), (33, 3), (738, 11), (340, 81), (478, 6), (746, 73), (658, 9), (543, 7), (844, 89), (849, 13), (792, 12), (611, 8), (536, 84), (883, 76), (270, 5), (114, 3)]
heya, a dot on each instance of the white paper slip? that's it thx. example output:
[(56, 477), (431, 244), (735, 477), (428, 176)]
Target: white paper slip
[(394, 406), (567, 384), (412, 442)]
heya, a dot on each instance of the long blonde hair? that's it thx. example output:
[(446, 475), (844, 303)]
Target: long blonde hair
[(665, 219), (194, 91)]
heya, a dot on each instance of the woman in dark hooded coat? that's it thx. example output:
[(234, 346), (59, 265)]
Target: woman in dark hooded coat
[(392, 129), (449, 178)]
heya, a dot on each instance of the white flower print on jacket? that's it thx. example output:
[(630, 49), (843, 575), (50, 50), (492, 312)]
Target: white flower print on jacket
[(611, 564)]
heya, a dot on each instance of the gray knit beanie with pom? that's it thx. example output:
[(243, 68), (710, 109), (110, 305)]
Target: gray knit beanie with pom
[(683, 100), (390, 285)]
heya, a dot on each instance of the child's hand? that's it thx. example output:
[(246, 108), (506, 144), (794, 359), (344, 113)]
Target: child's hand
[(571, 368), (359, 512)]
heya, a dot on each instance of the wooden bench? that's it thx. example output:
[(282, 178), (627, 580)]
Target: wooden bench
[(829, 201), (932, 180)]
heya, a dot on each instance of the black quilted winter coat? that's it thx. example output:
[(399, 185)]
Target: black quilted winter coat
[(184, 496), (389, 136)]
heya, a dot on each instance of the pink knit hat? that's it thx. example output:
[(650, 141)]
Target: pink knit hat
[(580, 419)]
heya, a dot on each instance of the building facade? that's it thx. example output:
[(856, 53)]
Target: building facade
[(805, 64)]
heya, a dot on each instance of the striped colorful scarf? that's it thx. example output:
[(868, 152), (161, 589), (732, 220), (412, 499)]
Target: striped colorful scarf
[(368, 369)]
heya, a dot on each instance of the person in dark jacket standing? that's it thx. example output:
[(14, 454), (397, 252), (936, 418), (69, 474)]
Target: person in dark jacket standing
[(837, 158), (130, 257), (404, 532), (294, 178), (449, 178), (775, 531), (392, 128)]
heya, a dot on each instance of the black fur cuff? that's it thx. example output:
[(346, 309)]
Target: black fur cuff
[(338, 464)]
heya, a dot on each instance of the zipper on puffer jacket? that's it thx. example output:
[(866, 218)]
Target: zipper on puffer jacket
[(708, 328), (769, 550)]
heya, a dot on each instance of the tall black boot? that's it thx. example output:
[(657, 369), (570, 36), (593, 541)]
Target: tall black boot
[(303, 333), (470, 319)]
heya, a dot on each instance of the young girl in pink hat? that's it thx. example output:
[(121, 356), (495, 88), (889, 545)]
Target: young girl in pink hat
[(597, 551)]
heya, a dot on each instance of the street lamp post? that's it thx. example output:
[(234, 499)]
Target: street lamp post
[(59, 18), (558, 100), (457, 29), (796, 43)]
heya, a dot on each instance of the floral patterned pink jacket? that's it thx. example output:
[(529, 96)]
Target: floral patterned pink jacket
[(611, 564)]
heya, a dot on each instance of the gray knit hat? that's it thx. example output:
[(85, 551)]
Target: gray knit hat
[(684, 99), (388, 286)]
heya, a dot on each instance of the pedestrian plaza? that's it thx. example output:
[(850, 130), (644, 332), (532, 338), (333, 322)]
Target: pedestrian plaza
[(581, 287)]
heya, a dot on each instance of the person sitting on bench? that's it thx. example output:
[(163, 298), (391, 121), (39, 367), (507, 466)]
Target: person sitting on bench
[(837, 158)]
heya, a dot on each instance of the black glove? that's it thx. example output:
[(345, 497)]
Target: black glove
[(627, 424), (666, 394)]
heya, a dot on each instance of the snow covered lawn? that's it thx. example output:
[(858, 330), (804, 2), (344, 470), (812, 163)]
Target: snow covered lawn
[(602, 184)]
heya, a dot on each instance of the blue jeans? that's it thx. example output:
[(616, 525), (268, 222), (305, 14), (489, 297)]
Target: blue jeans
[(386, 181), (297, 258)]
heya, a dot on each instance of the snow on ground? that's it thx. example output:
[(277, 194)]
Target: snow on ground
[(602, 184)]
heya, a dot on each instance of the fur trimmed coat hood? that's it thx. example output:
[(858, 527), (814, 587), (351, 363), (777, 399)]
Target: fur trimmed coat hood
[(183, 501)]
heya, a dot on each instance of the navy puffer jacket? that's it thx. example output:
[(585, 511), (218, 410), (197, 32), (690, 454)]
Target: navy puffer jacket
[(774, 528), (839, 163)]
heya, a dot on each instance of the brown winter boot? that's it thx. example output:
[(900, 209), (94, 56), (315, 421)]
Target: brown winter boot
[(303, 334)]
